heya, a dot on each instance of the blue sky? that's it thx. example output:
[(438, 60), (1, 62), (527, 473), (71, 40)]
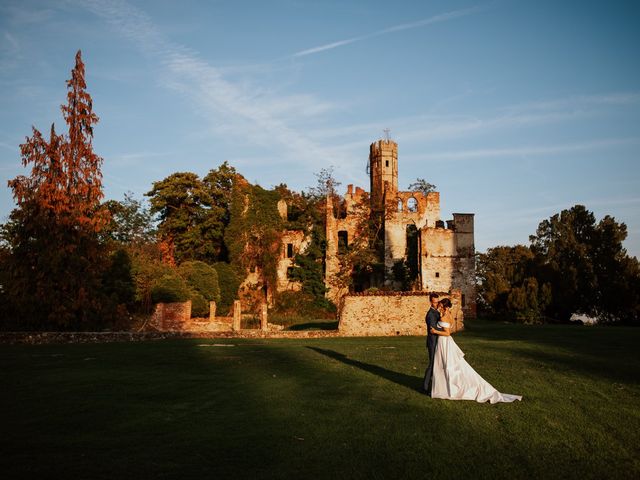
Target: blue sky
[(514, 109)]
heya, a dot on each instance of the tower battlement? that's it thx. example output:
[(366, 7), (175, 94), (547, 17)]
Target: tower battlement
[(383, 171)]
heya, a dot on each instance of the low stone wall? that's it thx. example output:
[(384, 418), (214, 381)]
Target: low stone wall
[(176, 317), (391, 313), (46, 338), (217, 324), (364, 314)]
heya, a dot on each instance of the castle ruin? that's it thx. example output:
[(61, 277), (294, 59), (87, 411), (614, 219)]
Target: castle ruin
[(439, 255)]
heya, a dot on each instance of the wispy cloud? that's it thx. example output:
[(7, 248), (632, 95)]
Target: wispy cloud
[(10, 51), (261, 117), (330, 46), (13, 148), (533, 216), (11, 41), (550, 209), (26, 14), (580, 101), (528, 150), (443, 17), (430, 127), (439, 127)]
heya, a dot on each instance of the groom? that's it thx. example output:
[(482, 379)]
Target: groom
[(432, 319)]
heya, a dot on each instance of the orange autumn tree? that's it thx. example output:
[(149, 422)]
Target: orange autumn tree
[(66, 178), (56, 260)]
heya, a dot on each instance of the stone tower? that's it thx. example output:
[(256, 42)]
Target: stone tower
[(383, 170), (435, 255)]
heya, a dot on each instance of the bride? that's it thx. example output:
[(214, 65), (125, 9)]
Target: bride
[(453, 377)]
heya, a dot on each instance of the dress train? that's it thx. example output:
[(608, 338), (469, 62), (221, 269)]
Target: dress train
[(455, 379)]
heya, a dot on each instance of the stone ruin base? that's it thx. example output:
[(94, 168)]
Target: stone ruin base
[(176, 317), (392, 313), (363, 314)]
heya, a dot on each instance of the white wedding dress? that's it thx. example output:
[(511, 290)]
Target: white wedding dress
[(454, 379)]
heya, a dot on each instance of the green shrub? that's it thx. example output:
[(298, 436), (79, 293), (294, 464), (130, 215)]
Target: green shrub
[(229, 282), (170, 288), (302, 305), (202, 278), (199, 304)]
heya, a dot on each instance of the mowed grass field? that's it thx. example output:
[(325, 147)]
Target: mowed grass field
[(322, 408)]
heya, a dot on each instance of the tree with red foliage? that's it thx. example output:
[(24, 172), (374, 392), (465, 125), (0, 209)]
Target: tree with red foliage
[(65, 177), (56, 261)]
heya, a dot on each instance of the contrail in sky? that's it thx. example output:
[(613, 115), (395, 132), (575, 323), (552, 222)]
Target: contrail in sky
[(443, 17)]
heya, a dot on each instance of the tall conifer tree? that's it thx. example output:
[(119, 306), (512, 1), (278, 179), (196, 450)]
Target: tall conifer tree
[(56, 260)]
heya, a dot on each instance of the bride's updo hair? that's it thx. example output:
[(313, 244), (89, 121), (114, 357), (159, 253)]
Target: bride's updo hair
[(445, 302)]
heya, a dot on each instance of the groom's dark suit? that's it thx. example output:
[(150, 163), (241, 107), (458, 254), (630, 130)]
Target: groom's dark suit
[(432, 319)]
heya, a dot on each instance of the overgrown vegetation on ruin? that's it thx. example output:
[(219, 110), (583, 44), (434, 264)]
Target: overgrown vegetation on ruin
[(254, 234)]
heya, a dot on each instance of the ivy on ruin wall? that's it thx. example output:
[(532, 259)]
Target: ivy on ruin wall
[(254, 234)]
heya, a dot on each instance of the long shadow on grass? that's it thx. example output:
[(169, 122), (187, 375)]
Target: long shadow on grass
[(414, 383), (597, 341), (609, 352), (607, 368), (256, 409)]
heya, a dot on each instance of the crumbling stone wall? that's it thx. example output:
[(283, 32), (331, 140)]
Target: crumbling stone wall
[(448, 259), (298, 241), (427, 212), (427, 208), (335, 225), (169, 317), (391, 313), (176, 317), (445, 250)]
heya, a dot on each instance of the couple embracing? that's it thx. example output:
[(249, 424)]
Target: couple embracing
[(448, 375)]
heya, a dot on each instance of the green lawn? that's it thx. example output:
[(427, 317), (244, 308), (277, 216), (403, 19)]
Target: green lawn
[(322, 408)]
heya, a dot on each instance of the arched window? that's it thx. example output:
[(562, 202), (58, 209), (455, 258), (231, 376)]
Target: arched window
[(400, 204), (412, 205)]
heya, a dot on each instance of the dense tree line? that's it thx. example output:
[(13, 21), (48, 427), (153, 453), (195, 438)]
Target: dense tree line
[(193, 213), (70, 261), (572, 265)]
